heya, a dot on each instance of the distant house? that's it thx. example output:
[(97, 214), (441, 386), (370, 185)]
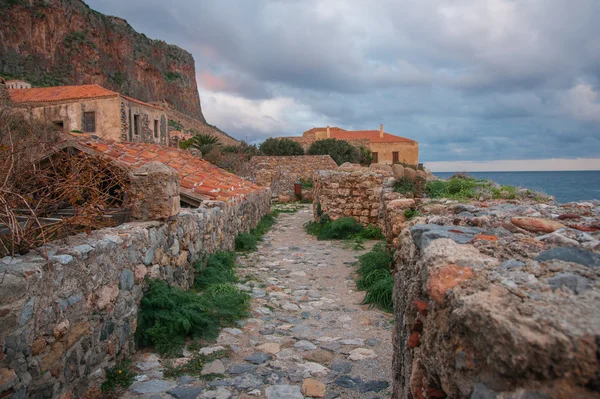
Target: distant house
[(18, 84), (94, 109), (386, 148)]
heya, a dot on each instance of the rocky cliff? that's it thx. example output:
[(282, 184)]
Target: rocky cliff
[(59, 42)]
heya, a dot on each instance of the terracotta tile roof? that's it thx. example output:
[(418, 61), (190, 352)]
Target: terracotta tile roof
[(372, 135), (67, 93), (199, 178), (59, 93)]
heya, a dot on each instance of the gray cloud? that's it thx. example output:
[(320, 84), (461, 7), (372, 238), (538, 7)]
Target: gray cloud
[(468, 79)]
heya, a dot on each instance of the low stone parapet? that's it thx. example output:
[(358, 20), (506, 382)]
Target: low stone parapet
[(489, 305), (69, 310)]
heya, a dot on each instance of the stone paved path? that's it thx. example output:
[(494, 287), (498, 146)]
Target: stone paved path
[(308, 331)]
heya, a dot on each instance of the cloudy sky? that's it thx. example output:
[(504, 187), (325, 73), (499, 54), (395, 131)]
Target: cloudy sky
[(471, 80)]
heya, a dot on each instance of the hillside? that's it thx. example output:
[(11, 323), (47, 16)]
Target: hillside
[(61, 42)]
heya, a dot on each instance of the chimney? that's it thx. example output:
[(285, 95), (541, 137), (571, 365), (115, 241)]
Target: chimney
[(380, 131), (328, 132)]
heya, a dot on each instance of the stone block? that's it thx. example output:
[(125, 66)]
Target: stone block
[(155, 189), (398, 171)]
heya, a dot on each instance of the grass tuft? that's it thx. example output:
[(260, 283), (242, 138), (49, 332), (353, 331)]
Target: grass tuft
[(118, 377), (219, 269), (341, 229), (375, 278)]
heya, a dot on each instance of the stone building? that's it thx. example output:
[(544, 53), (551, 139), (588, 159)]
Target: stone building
[(94, 109), (18, 84), (385, 147)]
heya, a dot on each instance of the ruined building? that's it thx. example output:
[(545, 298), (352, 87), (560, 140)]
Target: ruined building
[(96, 110)]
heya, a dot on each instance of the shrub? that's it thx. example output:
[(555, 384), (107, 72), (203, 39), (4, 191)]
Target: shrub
[(412, 213), (219, 269), (365, 156), (169, 315), (462, 186), (406, 186), (375, 278), (370, 233), (341, 229), (341, 151), (245, 242), (202, 142), (280, 147)]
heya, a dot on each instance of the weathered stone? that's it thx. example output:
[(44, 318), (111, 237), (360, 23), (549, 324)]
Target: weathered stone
[(270, 347), (214, 367), (313, 388), (570, 254), (76, 332), (398, 171), (283, 392), (126, 280), (56, 351), (362, 354), (318, 356), (38, 346), (424, 234), (241, 369), (186, 392), (444, 279), (155, 188), (60, 330), (219, 393), (410, 174), (8, 378), (305, 345), (107, 295), (27, 312), (258, 358), (152, 386), (537, 224), (573, 282)]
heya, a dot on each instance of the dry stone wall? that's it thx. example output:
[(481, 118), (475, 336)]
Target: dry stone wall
[(281, 172), (498, 300), (352, 191), (66, 318)]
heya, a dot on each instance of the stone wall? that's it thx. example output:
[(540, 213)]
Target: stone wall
[(280, 173), (65, 319), (491, 302), (352, 191)]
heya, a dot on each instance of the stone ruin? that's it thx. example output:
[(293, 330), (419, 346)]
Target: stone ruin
[(494, 299)]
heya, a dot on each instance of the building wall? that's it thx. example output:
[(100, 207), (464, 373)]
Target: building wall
[(18, 84), (147, 116), (71, 115), (408, 152), (64, 320)]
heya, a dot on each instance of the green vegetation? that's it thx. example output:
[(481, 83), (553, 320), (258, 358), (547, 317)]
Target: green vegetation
[(218, 269), (176, 125), (281, 147), (247, 242), (76, 39), (119, 78), (412, 213), (341, 229), (195, 365), (376, 279), (119, 376), (406, 186), (202, 142), (168, 315), (171, 76), (462, 187), (365, 157), (341, 151), (307, 184), (76, 131)]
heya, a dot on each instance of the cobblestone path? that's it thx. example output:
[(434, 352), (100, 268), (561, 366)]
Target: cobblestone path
[(308, 335)]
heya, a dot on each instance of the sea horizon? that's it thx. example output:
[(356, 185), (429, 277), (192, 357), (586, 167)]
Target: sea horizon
[(565, 186)]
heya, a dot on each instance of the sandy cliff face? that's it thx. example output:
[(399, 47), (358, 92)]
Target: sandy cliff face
[(58, 42)]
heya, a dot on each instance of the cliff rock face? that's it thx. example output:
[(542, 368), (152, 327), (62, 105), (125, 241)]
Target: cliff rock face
[(62, 42)]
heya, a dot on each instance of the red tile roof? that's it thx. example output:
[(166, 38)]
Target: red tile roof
[(372, 135), (59, 93), (67, 93), (199, 178)]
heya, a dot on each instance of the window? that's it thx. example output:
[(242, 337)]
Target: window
[(136, 124), (375, 157), (89, 122), (59, 124), (130, 127), (395, 157), (155, 129)]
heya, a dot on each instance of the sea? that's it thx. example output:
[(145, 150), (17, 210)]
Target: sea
[(565, 186)]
